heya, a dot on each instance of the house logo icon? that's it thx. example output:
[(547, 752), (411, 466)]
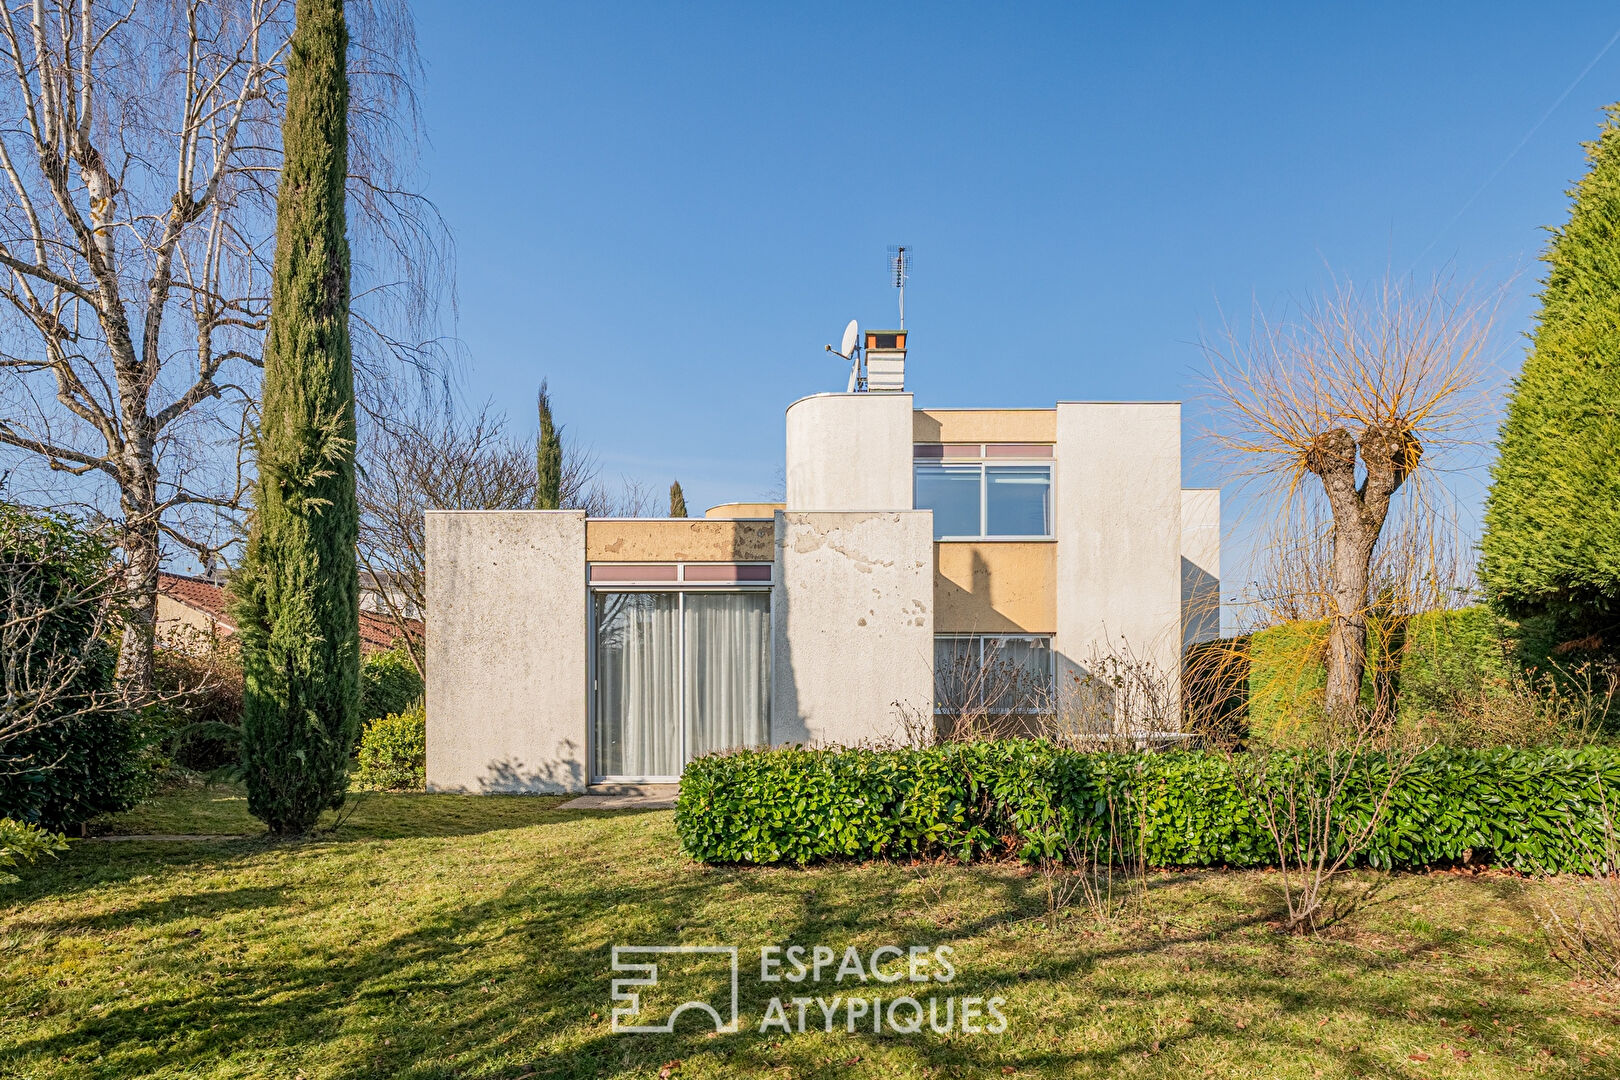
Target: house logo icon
[(643, 961)]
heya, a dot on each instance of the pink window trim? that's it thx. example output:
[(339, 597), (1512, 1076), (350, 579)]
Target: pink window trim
[(727, 573), (945, 450), (1017, 449), (633, 572)]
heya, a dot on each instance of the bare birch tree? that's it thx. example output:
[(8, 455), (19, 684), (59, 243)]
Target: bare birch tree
[(140, 151), (427, 459), (1345, 407)]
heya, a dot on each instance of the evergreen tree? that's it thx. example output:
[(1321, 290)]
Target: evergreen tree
[(1552, 521), (297, 591), (677, 500), (547, 458)]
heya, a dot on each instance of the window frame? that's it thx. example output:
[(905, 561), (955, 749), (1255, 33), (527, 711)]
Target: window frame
[(681, 588), (980, 639), (982, 464)]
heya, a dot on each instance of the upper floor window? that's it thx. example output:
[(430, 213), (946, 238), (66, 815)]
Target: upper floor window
[(985, 499)]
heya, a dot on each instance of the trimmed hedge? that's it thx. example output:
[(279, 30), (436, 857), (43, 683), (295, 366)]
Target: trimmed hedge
[(393, 751), (1527, 809), (1264, 683)]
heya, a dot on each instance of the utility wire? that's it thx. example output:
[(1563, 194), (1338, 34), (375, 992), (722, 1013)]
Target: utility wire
[(1568, 90)]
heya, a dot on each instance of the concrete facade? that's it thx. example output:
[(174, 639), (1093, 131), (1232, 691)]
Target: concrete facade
[(680, 540), (507, 707), (1117, 495), (853, 611), (859, 587), (1200, 566), (849, 452)]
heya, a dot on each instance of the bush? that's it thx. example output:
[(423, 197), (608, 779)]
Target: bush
[(20, 842), (199, 681), (389, 683), (81, 753), (393, 751), (1528, 809)]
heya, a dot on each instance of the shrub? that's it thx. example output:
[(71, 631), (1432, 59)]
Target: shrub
[(20, 842), (71, 749), (1030, 799), (393, 751), (389, 683), (198, 680)]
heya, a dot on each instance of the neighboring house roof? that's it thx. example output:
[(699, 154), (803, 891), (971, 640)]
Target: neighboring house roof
[(377, 633)]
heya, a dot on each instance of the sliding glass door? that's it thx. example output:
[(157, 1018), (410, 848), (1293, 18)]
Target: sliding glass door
[(638, 708), (678, 674)]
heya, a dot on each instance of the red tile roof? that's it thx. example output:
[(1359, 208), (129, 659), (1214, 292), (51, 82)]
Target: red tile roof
[(377, 632)]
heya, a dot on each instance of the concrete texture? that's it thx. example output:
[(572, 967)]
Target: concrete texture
[(731, 510), (679, 540), (625, 797), (506, 637), (1118, 507), (854, 625), (1200, 565), (995, 587), (849, 452), (984, 425)]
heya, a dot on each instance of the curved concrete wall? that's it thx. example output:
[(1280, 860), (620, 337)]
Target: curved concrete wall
[(849, 452)]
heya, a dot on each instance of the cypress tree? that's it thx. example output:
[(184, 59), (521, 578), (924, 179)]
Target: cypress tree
[(677, 500), (1551, 547), (547, 458), (297, 591)]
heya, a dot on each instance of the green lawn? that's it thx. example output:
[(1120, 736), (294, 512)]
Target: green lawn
[(441, 936)]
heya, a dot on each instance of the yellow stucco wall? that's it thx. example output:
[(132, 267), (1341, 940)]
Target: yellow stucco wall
[(174, 617), (1003, 587), (984, 425), (680, 540), (727, 511)]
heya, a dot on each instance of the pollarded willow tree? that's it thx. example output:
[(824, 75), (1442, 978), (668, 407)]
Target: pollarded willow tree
[(1552, 519), (1343, 414), (140, 158)]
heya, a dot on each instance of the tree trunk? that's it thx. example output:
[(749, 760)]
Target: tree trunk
[(1389, 455), (142, 551), (1347, 628)]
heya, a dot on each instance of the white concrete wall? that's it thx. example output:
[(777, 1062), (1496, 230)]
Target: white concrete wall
[(853, 607), (506, 651), (1118, 510), (849, 452), (1200, 565)]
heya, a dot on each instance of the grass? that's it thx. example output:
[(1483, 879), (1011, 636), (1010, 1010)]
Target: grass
[(440, 936)]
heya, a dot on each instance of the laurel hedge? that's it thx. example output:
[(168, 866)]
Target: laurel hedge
[(1029, 799)]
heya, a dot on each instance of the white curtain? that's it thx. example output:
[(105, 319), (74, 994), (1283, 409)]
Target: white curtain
[(728, 671), (637, 687)]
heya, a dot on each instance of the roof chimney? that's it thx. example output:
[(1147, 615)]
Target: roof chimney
[(886, 360)]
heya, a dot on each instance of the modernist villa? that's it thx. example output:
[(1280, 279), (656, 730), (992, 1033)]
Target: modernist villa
[(569, 651)]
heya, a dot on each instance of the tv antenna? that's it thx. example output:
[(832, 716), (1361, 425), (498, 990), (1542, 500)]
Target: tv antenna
[(851, 351), (899, 271)]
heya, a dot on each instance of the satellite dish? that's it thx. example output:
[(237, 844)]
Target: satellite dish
[(852, 334), (850, 352)]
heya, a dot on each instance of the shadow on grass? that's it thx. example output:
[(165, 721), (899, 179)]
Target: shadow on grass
[(519, 982)]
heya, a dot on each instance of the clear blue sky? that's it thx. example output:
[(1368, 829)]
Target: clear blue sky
[(666, 210)]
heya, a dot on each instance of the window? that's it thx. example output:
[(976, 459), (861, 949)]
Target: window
[(993, 673), (983, 499), (678, 674)]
